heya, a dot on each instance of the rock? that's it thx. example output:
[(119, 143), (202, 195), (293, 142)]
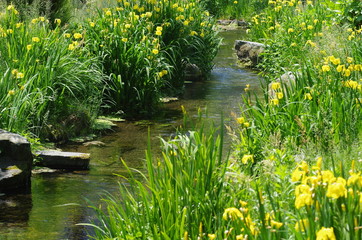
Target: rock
[(223, 22), (287, 83), (94, 144), (240, 23), (249, 52), (16, 162), (168, 99), (63, 160), (193, 72)]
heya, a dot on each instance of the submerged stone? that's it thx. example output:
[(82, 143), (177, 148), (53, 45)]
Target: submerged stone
[(16, 162), (63, 160)]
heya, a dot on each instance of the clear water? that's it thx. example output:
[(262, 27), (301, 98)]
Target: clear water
[(59, 201)]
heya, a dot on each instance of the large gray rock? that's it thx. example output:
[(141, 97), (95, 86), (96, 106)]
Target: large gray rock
[(63, 160), (249, 52), (193, 72), (16, 162)]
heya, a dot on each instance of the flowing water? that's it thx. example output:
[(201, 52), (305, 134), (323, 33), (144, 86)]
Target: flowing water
[(59, 201)]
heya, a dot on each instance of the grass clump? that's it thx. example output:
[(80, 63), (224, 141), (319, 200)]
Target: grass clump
[(180, 197), (43, 82)]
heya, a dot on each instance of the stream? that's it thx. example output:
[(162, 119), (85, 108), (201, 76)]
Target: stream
[(58, 201)]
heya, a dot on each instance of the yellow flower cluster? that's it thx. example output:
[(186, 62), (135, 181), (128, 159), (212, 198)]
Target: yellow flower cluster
[(317, 182)]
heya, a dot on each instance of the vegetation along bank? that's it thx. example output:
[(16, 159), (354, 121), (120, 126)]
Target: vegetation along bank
[(295, 167), (113, 58), (294, 171)]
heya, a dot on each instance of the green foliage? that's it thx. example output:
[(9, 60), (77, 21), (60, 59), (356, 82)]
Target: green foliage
[(43, 82), (312, 86), (182, 195), (144, 47), (352, 12)]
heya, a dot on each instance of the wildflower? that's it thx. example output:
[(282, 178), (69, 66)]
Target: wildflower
[(77, 35), (18, 25), (275, 101), (193, 33), (124, 40), (347, 73), (186, 22), (246, 158), (276, 224), (92, 24), (71, 47), (340, 68), (240, 120), (34, 20), (243, 203), (293, 44), (301, 225), (290, 30), (127, 25), (9, 31), (67, 35), (349, 59), (326, 234), (354, 179), (337, 189), (11, 92), (246, 124), (327, 176), (10, 7), (319, 164), (232, 213), (297, 175), (211, 236), (108, 13), (235, 2), (57, 21), (304, 199), (155, 51), (308, 96), (336, 61), (14, 72), (41, 19), (35, 39), (351, 84), (29, 47), (326, 68), (19, 75), (312, 44), (279, 95), (310, 27), (275, 85), (158, 33)]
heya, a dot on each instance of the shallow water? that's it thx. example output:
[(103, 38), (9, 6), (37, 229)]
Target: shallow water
[(58, 201)]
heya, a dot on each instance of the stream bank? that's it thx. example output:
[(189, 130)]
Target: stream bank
[(57, 200)]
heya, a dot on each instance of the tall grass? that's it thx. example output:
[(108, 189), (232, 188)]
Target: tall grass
[(123, 57), (145, 45), (43, 82), (181, 196), (320, 105)]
